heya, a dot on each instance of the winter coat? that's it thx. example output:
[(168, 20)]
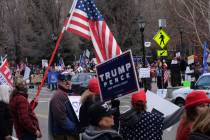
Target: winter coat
[(141, 126), (25, 120), (94, 133), (146, 125), (5, 120), (198, 136), (62, 119)]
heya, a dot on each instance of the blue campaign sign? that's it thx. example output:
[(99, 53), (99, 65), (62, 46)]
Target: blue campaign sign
[(52, 77), (117, 77)]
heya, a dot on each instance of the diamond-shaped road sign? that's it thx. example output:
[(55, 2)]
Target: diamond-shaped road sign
[(161, 53), (161, 38)]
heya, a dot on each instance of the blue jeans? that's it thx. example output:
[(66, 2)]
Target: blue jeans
[(28, 137)]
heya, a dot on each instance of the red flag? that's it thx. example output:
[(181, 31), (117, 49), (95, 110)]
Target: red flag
[(5, 74), (86, 21)]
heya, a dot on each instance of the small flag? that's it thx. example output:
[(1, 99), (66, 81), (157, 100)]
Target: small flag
[(87, 22), (61, 63), (205, 57), (5, 74)]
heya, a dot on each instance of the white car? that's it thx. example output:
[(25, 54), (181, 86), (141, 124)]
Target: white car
[(203, 83)]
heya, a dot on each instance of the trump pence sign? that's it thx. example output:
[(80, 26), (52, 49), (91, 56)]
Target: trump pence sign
[(117, 77)]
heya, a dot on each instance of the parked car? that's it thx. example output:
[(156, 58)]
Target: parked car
[(80, 82), (203, 83)]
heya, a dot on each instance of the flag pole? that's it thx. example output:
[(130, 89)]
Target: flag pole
[(35, 101)]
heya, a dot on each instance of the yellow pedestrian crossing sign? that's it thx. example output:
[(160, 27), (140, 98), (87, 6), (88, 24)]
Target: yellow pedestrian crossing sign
[(161, 53), (161, 38)]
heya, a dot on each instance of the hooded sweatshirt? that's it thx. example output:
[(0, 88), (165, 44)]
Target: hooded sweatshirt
[(95, 133)]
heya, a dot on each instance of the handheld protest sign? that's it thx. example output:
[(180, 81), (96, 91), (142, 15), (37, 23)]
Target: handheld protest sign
[(117, 77), (75, 102)]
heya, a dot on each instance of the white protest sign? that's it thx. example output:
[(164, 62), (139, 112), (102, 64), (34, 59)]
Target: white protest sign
[(44, 63), (87, 53), (144, 73), (178, 54), (162, 93), (27, 73), (75, 102), (154, 102), (190, 59)]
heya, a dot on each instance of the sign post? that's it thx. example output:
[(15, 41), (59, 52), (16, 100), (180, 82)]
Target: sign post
[(117, 77)]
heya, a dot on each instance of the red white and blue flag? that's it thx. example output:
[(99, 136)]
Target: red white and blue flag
[(5, 74), (87, 21)]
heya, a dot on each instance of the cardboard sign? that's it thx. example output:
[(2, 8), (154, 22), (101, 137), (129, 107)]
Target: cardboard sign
[(164, 107), (27, 73), (190, 59), (117, 77), (144, 73), (162, 93), (44, 63), (75, 102)]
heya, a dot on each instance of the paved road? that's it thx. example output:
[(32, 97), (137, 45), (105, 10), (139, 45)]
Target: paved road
[(42, 111)]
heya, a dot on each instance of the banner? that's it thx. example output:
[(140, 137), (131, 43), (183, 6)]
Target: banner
[(117, 77), (44, 63), (27, 73), (52, 77), (144, 73), (205, 57)]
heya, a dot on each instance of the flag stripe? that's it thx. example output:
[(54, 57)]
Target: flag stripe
[(85, 27)]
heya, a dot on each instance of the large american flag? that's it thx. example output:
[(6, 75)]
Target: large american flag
[(87, 21), (5, 74)]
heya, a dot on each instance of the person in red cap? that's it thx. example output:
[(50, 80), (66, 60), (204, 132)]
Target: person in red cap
[(196, 103), (138, 124), (90, 96)]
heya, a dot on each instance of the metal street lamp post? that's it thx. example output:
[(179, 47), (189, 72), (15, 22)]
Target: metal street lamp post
[(181, 41), (141, 23)]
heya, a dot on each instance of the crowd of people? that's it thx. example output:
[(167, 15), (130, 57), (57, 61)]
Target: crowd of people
[(99, 120)]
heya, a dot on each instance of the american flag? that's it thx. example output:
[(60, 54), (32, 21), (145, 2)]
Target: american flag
[(166, 76), (87, 21), (5, 74)]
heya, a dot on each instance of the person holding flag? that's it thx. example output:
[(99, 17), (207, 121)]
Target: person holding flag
[(85, 20)]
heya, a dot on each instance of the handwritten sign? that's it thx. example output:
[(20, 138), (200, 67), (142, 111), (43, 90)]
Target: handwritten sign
[(144, 73)]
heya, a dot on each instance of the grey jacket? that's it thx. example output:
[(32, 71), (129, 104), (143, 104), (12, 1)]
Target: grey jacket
[(95, 133)]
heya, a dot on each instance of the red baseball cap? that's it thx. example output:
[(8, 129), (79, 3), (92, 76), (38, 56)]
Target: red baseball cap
[(139, 96), (93, 85), (195, 98)]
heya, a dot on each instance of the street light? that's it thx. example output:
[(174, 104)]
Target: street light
[(141, 23), (181, 40)]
